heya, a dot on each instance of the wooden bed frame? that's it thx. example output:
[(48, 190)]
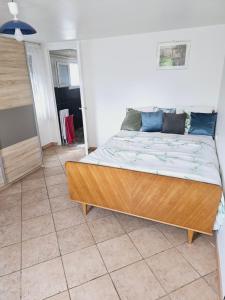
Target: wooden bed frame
[(183, 203)]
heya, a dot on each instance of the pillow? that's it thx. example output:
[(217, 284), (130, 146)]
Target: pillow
[(196, 109), (165, 110), (203, 124), (132, 120), (144, 108), (174, 123), (152, 121)]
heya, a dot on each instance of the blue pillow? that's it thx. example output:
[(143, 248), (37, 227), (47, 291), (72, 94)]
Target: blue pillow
[(152, 121), (203, 124)]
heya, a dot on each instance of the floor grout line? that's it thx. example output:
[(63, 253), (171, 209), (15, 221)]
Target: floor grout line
[(96, 244), (58, 245), (147, 264)]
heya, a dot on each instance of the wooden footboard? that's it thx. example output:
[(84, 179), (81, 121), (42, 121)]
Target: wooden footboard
[(183, 203)]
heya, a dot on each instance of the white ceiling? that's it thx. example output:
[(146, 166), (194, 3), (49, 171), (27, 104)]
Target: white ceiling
[(83, 19)]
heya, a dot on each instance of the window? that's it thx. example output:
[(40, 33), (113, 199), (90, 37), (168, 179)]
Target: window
[(63, 74), (74, 75)]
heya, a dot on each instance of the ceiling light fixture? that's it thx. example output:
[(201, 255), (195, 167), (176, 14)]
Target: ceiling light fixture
[(15, 26)]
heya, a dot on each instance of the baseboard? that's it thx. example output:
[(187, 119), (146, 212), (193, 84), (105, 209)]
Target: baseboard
[(49, 145)]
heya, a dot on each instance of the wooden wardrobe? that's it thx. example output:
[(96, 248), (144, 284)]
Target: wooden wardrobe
[(20, 150)]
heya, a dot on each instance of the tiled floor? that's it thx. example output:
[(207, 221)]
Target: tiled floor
[(50, 250)]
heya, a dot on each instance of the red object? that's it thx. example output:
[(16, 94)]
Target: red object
[(70, 132)]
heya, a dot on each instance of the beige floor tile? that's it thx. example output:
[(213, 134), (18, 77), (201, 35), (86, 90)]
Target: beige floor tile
[(36, 195), (10, 234), (10, 215), (62, 202), (12, 189), (60, 296), (35, 175), (33, 184), (57, 190), (53, 171), (51, 157), (149, 241), (9, 201), (52, 163), (68, 218), (71, 156), (213, 281), (83, 265), (10, 259), (43, 280), (165, 298), (130, 223), (201, 254), (35, 209), (98, 289), (137, 282), (175, 235), (49, 151), (97, 213), (56, 179), (10, 287), (118, 252), (40, 249), (172, 269), (209, 238), (37, 226), (74, 238), (105, 228), (198, 290)]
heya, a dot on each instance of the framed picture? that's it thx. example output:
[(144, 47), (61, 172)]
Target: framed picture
[(173, 55)]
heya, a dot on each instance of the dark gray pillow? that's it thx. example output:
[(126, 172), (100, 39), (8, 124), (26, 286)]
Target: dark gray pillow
[(132, 120), (174, 123)]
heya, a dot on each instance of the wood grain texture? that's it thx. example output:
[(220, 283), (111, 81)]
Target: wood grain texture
[(183, 203), (21, 158), (15, 87)]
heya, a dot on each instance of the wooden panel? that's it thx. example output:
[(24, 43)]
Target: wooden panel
[(15, 88), (183, 203), (19, 159)]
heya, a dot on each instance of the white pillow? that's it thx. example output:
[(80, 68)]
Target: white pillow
[(144, 109), (200, 109)]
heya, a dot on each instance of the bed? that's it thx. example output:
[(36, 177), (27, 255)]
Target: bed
[(168, 178)]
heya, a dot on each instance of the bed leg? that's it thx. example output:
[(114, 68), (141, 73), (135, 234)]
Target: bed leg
[(190, 236), (85, 208)]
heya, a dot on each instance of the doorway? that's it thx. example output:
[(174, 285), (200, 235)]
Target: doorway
[(65, 74)]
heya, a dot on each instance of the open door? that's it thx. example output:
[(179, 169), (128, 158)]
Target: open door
[(69, 97)]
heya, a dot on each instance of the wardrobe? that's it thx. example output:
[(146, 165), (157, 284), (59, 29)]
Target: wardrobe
[(20, 151)]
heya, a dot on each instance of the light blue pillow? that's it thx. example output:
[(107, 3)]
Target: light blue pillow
[(152, 121), (203, 124)]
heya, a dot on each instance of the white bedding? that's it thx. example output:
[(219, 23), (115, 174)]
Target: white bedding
[(183, 156)]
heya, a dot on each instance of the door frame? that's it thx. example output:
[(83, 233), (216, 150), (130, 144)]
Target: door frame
[(76, 46)]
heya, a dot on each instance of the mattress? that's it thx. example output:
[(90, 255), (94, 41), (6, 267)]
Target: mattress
[(190, 157)]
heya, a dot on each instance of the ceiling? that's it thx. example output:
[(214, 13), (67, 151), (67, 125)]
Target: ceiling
[(83, 19)]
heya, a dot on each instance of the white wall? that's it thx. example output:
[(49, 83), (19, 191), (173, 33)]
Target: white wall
[(220, 141), (122, 72)]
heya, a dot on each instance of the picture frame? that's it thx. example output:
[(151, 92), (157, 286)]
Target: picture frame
[(173, 55)]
